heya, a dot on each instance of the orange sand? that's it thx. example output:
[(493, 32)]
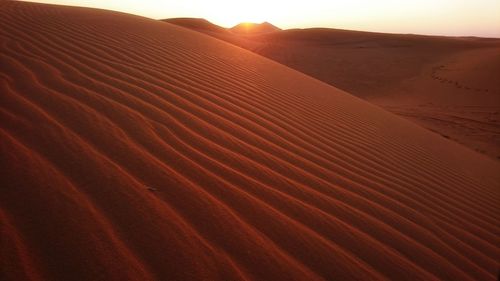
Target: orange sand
[(133, 149), (405, 74)]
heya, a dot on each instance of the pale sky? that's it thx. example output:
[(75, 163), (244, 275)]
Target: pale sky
[(438, 17)]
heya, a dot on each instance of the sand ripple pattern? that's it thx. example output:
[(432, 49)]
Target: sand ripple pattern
[(133, 149)]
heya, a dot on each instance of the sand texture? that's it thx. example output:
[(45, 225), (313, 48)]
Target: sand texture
[(133, 149), (450, 85)]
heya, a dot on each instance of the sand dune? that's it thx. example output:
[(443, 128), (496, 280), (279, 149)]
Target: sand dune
[(250, 28), (211, 29), (133, 149), (198, 24), (398, 72)]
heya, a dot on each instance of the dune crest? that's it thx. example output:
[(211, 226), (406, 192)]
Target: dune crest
[(197, 24), (250, 28), (133, 149), (403, 73)]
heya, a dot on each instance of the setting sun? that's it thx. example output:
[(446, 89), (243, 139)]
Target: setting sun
[(443, 17)]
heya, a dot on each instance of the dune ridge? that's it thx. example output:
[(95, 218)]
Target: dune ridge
[(197, 24), (250, 28), (445, 84), (135, 149)]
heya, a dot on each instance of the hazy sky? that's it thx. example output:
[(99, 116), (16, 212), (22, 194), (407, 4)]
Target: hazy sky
[(442, 17)]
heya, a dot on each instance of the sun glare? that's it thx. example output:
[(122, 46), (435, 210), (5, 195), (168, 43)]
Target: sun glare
[(231, 13), (445, 17)]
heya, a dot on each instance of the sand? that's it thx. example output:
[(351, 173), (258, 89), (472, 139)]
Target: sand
[(405, 74), (249, 28), (133, 149)]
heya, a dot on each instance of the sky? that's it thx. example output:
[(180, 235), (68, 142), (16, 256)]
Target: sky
[(434, 17)]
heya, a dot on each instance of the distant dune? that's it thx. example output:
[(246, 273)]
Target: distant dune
[(133, 149), (197, 24), (254, 28), (398, 72)]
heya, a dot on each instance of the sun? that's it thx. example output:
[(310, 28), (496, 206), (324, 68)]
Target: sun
[(241, 15), (228, 13)]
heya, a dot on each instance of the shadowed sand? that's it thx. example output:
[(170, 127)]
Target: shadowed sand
[(406, 74), (133, 149)]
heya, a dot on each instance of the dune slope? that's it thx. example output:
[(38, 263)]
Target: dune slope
[(133, 149), (405, 74), (197, 24)]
